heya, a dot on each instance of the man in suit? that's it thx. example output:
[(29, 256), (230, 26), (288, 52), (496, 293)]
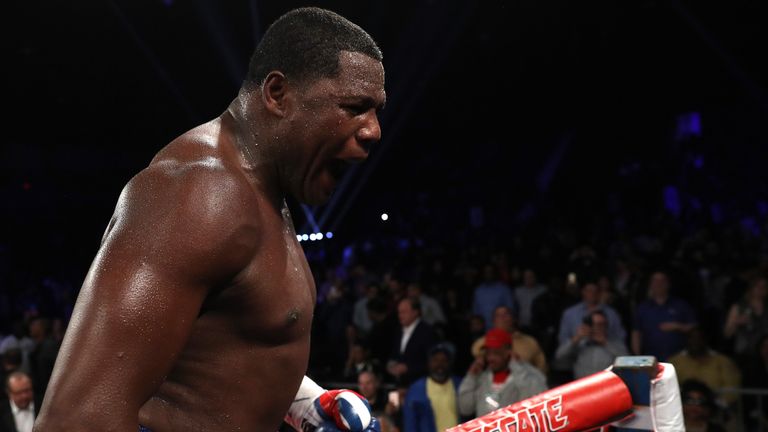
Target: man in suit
[(18, 413), (408, 361)]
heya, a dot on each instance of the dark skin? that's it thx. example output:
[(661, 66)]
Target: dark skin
[(196, 312)]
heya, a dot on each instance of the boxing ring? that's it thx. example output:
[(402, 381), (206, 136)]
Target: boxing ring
[(637, 393)]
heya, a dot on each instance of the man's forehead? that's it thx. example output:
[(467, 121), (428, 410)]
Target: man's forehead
[(362, 74), (19, 382)]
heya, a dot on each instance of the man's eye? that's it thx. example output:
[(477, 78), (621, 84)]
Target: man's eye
[(355, 109)]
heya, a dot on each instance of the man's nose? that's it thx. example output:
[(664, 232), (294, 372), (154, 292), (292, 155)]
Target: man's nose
[(370, 131)]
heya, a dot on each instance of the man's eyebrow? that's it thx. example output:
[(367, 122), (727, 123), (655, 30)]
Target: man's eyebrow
[(367, 101)]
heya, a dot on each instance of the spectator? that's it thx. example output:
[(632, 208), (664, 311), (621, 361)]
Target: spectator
[(748, 319), (431, 311), (369, 385), (504, 382), (11, 362), (384, 328), (431, 404), (716, 370), (18, 415), (360, 360), (408, 360), (591, 349), (698, 407), (21, 341), (525, 347), (662, 321), (525, 294), (360, 317), (490, 294), (573, 317)]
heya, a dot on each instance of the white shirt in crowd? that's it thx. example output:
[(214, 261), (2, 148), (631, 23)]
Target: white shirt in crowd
[(24, 418), (407, 332)]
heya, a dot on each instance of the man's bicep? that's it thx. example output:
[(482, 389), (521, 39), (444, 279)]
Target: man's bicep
[(131, 321)]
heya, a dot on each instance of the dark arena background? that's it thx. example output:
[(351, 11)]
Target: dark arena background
[(576, 141)]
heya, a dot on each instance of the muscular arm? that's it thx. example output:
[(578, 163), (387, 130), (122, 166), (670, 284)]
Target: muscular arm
[(174, 236)]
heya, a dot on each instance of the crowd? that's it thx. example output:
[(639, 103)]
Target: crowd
[(436, 332)]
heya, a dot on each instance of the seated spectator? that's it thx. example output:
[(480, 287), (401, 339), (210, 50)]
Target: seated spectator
[(662, 322), (360, 360), (504, 381), (525, 348), (715, 370), (591, 349), (369, 385), (698, 407), (431, 404)]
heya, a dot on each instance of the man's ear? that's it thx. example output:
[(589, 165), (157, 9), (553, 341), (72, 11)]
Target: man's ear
[(273, 92)]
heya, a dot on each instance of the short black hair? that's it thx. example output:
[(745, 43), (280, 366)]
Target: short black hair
[(588, 318), (415, 303), (691, 385), (441, 348), (304, 44)]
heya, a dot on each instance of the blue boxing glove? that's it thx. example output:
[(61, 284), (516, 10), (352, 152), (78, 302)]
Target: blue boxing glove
[(315, 409)]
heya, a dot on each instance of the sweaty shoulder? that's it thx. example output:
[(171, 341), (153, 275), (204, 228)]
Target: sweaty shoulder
[(193, 196)]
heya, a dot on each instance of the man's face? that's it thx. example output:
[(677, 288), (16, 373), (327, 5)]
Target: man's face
[(20, 391), (497, 359), (659, 285), (502, 318), (406, 313), (333, 123), (589, 293), (367, 384), (694, 406), (599, 325), (439, 367)]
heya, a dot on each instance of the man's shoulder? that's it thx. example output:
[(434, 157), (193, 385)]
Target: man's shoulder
[(206, 184)]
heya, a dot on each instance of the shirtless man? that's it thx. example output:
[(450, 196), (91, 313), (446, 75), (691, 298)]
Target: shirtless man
[(196, 312)]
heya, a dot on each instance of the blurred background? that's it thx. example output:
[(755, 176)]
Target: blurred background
[(557, 137)]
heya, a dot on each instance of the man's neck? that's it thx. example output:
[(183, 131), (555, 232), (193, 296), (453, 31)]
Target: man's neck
[(412, 325), (258, 159)]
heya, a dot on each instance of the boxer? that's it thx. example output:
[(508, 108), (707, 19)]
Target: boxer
[(196, 312)]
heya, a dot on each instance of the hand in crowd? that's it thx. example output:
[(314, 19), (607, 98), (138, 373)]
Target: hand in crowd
[(583, 332), (477, 367)]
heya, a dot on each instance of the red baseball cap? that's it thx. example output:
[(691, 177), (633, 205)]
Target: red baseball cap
[(497, 338)]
